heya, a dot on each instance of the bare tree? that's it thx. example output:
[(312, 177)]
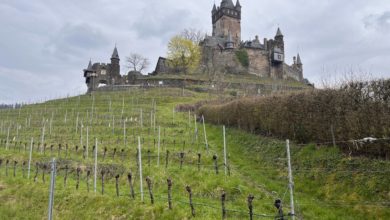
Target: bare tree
[(137, 62), (193, 35)]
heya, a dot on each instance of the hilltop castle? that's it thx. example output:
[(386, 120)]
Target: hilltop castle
[(102, 73), (223, 51), (226, 50)]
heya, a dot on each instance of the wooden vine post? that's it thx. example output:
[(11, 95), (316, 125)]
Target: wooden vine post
[(78, 170), (169, 181), (117, 185), (188, 188), (129, 179), (250, 206), (223, 200), (149, 182), (215, 158)]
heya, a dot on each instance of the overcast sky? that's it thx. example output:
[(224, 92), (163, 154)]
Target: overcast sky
[(45, 44)]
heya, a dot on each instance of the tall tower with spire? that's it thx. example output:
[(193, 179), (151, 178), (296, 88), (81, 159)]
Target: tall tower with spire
[(115, 67), (279, 39), (226, 20)]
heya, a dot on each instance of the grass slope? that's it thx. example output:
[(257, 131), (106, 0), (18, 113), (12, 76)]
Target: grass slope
[(328, 185)]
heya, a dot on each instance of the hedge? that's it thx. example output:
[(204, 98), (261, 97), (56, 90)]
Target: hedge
[(354, 111)]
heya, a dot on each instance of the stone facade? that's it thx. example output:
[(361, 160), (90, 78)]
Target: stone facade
[(265, 59)]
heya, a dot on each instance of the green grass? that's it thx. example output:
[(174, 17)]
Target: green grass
[(328, 184)]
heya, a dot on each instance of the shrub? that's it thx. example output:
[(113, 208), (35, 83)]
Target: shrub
[(242, 56), (355, 111)]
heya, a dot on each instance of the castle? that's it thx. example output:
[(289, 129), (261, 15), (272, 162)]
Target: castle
[(102, 73), (223, 51)]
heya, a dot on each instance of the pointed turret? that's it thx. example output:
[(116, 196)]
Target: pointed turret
[(300, 67), (214, 9), (115, 54), (89, 68), (227, 4), (238, 5), (299, 62), (279, 41), (115, 67), (279, 33)]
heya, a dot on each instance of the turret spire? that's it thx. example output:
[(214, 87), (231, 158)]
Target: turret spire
[(115, 54), (89, 68), (299, 62), (227, 4), (278, 33), (238, 4)]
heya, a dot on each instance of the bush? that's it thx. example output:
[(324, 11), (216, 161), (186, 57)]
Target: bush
[(242, 56), (355, 111)]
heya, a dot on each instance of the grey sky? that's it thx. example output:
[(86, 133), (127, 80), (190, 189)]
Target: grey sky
[(44, 45)]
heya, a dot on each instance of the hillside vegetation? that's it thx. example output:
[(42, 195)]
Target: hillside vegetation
[(330, 116), (328, 184)]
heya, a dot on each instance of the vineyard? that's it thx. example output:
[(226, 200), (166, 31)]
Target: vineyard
[(132, 155)]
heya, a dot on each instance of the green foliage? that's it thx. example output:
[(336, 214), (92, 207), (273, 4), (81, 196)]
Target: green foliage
[(233, 93), (242, 56), (183, 54)]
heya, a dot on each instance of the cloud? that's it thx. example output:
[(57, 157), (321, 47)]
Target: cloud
[(161, 25), (379, 22), (25, 86), (75, 39)]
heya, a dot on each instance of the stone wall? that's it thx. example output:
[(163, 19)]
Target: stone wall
[(292, 73), (258, 62), (226, 24), (222, 60)]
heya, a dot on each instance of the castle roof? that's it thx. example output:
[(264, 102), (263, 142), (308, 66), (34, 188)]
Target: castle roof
[(227, 4), (213, 41), (299, 60), (238, 5), (115, 54), (89, 68), (279, 33), (214, 8)]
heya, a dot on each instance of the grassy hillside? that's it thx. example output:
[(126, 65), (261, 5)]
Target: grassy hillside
[(328, 185)]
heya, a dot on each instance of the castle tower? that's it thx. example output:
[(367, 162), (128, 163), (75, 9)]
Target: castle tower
[(90, 76), (279, 40), (227, 18), (300, 67), (115, 67), (277, 55)]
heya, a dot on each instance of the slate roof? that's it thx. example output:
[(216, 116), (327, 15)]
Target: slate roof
[(115, 54)]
